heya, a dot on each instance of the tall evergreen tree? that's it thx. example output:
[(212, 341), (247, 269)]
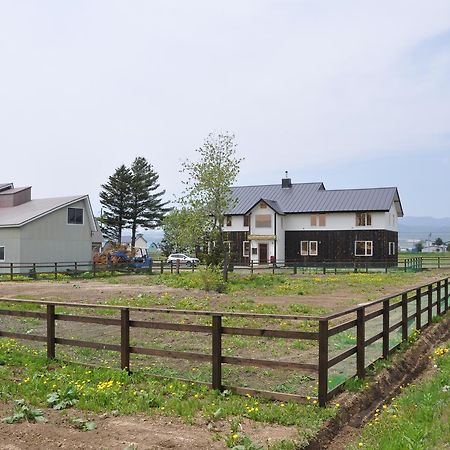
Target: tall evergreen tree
[(116, 200), (147, 208)]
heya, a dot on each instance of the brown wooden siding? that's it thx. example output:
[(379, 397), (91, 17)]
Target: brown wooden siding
[(237, 238), (339, 246)]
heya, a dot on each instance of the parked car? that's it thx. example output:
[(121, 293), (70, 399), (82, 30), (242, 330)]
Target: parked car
[(184, 259)]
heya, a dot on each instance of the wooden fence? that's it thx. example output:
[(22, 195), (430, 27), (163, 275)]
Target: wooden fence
[(417, 307), (53, 269)]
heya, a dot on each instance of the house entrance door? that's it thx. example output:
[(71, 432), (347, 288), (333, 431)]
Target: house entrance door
[(262, 253)]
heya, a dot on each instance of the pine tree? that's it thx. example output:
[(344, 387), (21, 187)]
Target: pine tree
[(147, 208), (116, 200)]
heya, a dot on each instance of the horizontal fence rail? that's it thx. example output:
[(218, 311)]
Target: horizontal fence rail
[(377, 321)]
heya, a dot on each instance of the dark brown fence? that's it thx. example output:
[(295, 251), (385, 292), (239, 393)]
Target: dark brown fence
[(410, 310)]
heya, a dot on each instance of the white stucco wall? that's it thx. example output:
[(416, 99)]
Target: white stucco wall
[(337, 221)]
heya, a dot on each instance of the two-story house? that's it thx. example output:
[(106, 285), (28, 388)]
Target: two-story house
[(305, 223)]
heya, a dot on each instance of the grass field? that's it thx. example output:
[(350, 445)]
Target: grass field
[(418, 419)]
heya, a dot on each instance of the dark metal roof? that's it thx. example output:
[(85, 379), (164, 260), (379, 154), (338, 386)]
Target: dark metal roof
[(313, 198)]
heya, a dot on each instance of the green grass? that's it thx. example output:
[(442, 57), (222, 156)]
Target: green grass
[(25, 373), (418, 419)]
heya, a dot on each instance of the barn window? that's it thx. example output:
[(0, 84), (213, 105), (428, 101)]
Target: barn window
[(75, 216), (263, 221), (304, 248), (246, 248), (363, 219), (363, 248), (2, 253)]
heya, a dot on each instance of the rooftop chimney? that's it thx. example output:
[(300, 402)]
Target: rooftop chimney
[(286, 182)]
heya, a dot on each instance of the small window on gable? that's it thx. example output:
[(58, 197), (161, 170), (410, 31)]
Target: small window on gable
[(2, 253), (228, 221), (246, 248), (363, 219), (75, 216), (246, 220), (262, 205)]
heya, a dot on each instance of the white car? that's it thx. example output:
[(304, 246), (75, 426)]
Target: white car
[(184, 259)]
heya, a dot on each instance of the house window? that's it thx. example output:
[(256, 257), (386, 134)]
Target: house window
[(254, 250), (75, 216), (363, 248), (228, 221), (2, 253), (263, 221), (309, 248), (392, 248), (313, 248), (246, 248), (318, 220), (262, 205), (363, 219), (246, 220)]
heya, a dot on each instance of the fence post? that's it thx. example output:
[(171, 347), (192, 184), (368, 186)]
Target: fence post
[(50, 331), (251, 266), (323, 362), (273, 267), (56, 270), (404, 316), (295, 268), (439, 298), (34, 271), (446, 294), (94, 269), (162, 266), (360, 343), (439, 262), (404, 262), (385, 329), (125, 339), (418, 309), (430, 303), (217, 352), (178, 266), (11, 270)]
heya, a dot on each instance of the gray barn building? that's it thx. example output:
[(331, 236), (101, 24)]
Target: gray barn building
[(61, 229)]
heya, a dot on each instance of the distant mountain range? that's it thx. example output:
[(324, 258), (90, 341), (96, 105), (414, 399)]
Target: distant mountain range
[(410, 229)]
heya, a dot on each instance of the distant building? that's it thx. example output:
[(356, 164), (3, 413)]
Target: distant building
[(304, 222), (61, 229), (429, 247), (140, 242)]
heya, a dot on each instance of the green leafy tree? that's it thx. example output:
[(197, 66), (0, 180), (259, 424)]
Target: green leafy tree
[(115, 198), (208, 188), (419, 246), (147, 208), (438, 241), (184, 231)]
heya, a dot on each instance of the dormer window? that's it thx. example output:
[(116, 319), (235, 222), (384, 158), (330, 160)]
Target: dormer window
[(363, 219)]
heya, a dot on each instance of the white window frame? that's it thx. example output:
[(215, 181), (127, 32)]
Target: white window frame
[(4, 253), (366, 253), (248, 249), (309, 248), (82, 216), (366, 216), (392, 249), (302, 252)]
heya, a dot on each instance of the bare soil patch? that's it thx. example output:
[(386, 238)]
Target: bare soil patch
[(121, 432)]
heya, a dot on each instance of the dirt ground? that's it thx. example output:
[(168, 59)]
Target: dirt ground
[(124, 432)]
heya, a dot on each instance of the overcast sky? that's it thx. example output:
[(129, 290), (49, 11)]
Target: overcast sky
[(351, 93)]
